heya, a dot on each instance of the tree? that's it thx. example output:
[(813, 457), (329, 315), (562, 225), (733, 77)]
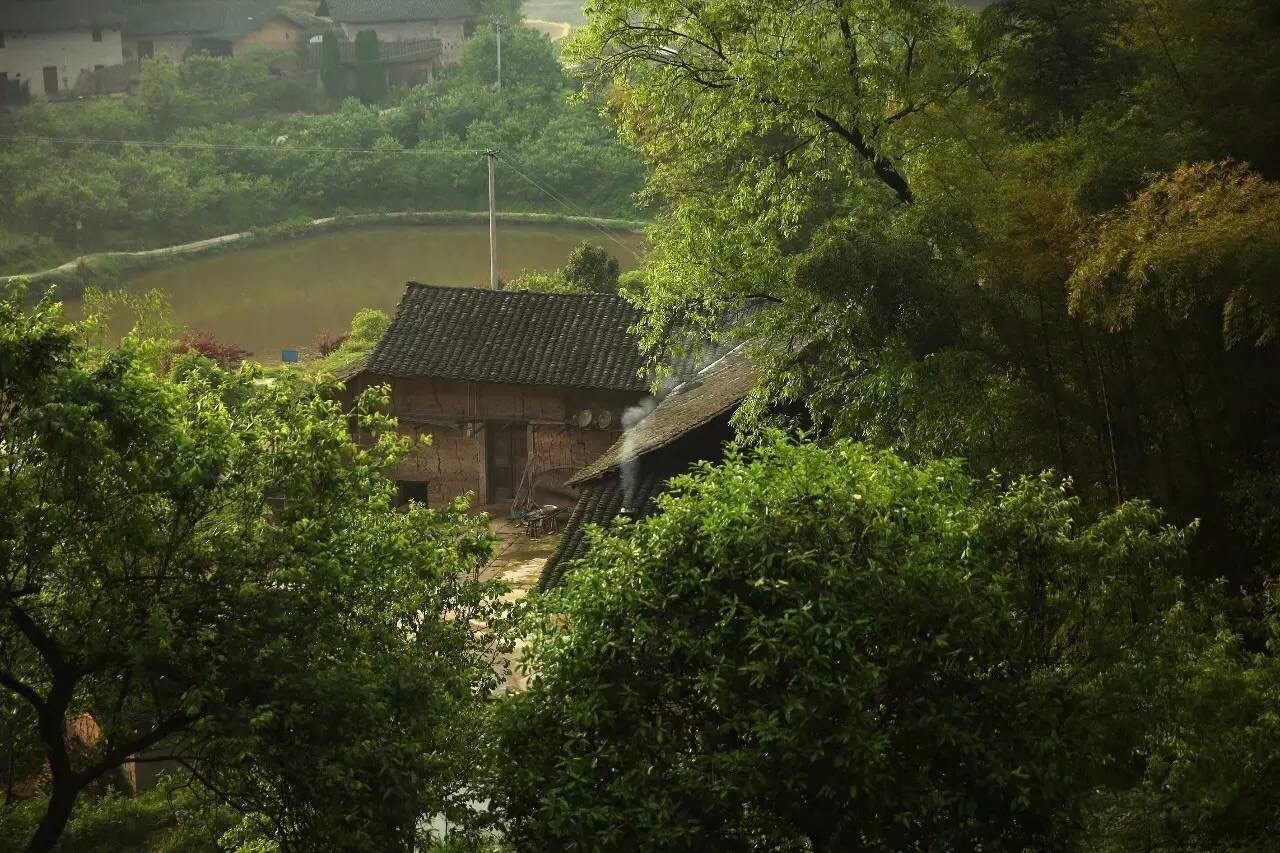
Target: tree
[(589, 269), (592, 269), (528, 60), (227, 356), (332, 77), (371, 76), (322, 11), (833, 648), (988, 162), (209, 567)]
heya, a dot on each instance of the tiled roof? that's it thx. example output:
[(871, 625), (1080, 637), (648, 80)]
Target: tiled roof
[(717, 389), (388, 11), (688, 426), (470, 334), (204, 17), (600, 503), (55, 15)]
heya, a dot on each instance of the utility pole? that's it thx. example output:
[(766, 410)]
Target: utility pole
[(492, 155)]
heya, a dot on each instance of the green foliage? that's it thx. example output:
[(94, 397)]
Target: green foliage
[(528, 60), (836, 648), (26, 252), (209, 565), (332, 77), (367, 328), (170, 818), (1033, 238), (371, 76), (589, 269), (1204, 235), (237, 123)]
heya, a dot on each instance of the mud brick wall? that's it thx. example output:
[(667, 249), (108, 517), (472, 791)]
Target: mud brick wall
[(454, 415)]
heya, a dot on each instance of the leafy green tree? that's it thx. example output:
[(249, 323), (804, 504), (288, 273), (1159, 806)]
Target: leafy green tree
[(208, 567), (592, 269), (332, 76), (589, 269), (528, 60), (371, 76), (831, 649)]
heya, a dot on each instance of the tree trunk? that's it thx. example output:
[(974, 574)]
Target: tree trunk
[(61, 800)]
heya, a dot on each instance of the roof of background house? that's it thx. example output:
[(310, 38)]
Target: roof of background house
[(716, 389), (407, 50), (388, 11), (248, 16), (222, 20), (469, 334), (56, 15)]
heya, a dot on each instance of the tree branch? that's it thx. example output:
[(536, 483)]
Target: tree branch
[(885, 170)]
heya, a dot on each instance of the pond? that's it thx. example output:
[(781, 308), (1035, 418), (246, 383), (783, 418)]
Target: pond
[(287, 295)]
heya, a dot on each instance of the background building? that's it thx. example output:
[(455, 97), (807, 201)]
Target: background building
[(46, 46)]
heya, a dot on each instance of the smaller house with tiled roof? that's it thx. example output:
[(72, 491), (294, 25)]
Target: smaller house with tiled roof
[(178, 28), (517, 390), (450, 21), (689, 425)]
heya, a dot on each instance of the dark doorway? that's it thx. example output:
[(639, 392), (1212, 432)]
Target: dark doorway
[(146, 49), (507, 454), (51, 79)]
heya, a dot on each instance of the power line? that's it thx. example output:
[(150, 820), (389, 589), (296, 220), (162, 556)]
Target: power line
[(568, 205), (216, 146)]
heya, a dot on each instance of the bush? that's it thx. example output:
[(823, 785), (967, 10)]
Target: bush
[(835, 649)]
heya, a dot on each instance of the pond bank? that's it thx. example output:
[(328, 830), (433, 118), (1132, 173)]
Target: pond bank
[(272, 295), (72, 277)]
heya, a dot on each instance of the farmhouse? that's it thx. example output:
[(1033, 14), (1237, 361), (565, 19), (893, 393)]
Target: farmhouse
[(46, 46), (450, 21), (689, 425), (517, 390), (404, 63), (177, 29)]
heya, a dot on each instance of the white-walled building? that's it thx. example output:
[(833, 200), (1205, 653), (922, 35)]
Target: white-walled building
[(450, 21), (47, 44)]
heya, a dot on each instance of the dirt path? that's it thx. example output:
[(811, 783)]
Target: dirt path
[(518, 564)]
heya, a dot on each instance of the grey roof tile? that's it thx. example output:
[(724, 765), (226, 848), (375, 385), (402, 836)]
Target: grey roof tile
[(470, 334), (717, 389), (55, 15), (387, 11)]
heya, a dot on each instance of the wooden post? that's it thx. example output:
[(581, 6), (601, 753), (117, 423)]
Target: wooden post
[(493, 224)]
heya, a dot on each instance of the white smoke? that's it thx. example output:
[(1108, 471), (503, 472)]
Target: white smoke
[(630, 464)]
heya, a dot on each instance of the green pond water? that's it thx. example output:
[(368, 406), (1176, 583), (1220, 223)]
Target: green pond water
[(287, 295)]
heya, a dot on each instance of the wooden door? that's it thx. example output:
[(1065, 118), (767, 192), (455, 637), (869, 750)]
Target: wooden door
[(507, 455), (51, 79)]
